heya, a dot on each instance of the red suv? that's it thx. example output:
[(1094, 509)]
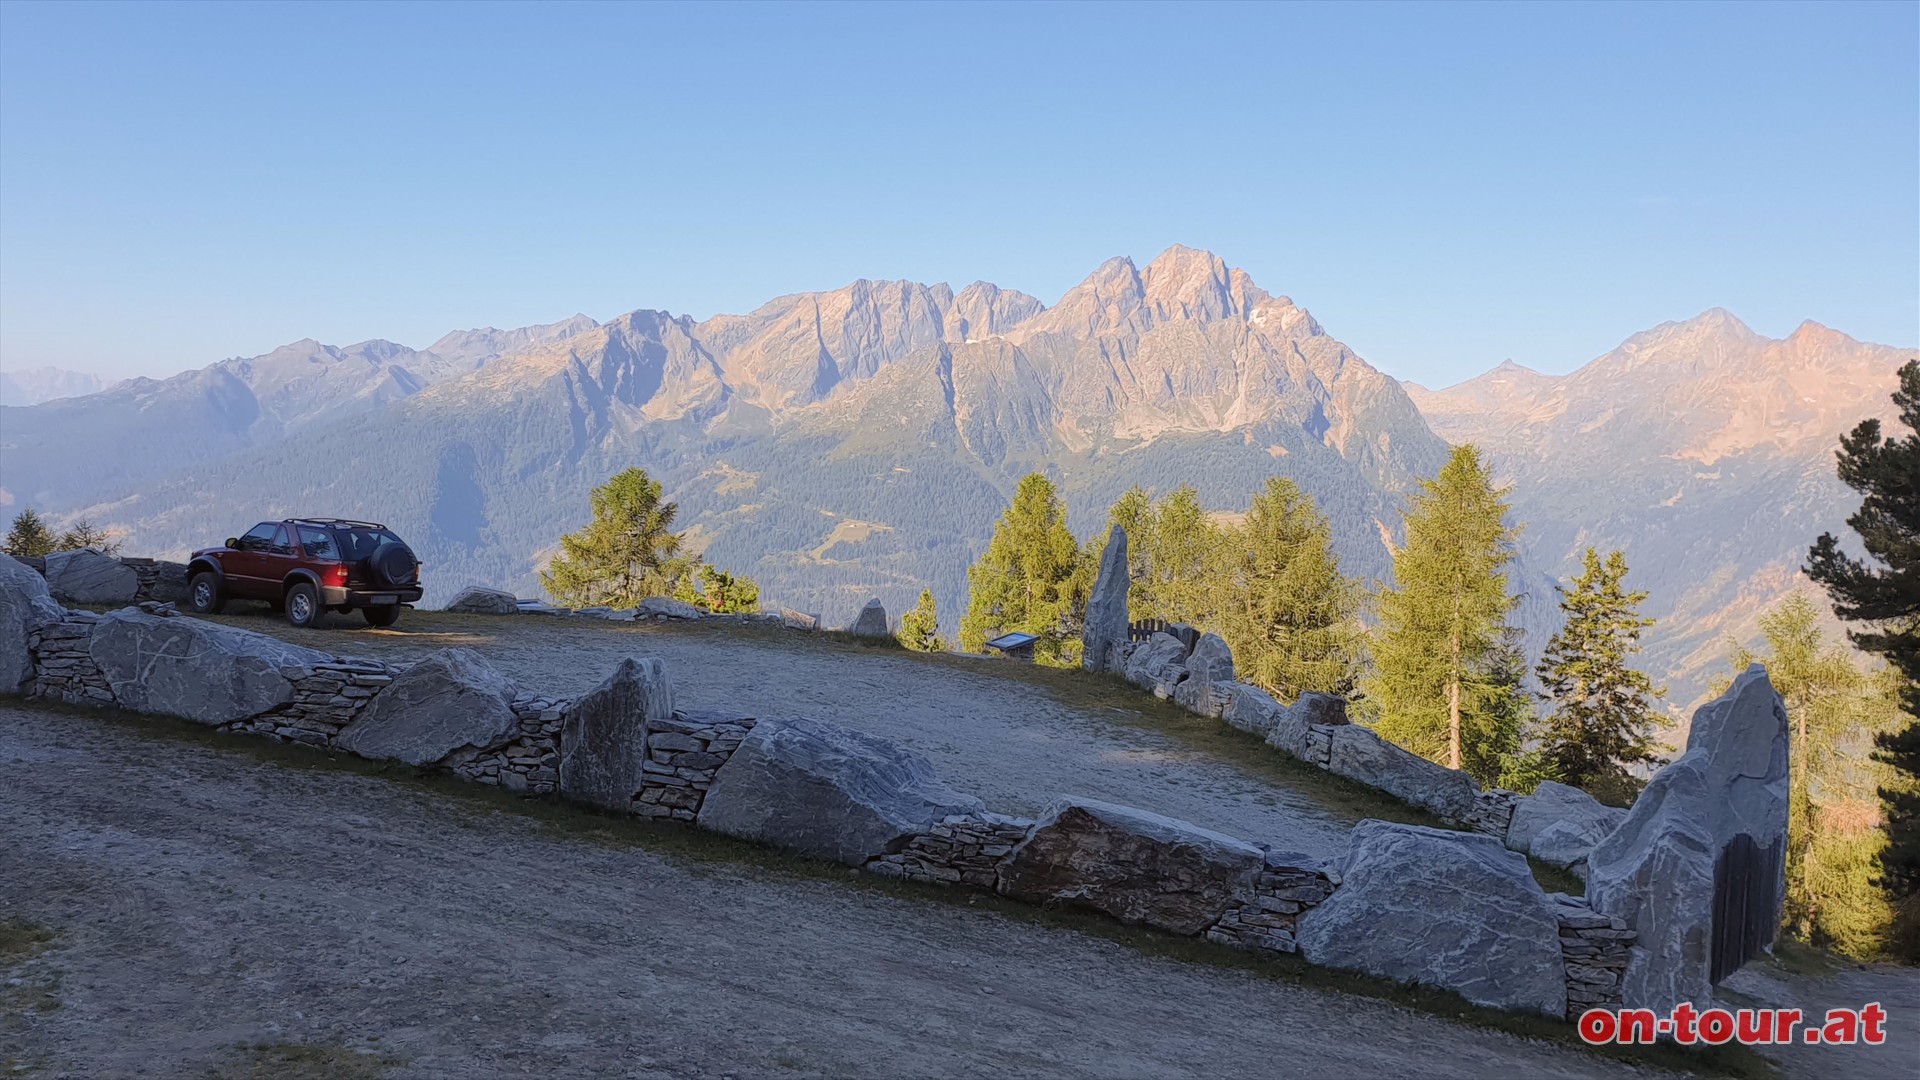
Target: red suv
[(304, 566)]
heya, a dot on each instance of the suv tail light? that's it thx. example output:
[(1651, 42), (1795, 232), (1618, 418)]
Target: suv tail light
[(337, 574)]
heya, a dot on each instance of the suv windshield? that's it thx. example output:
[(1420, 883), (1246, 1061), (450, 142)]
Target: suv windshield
[(357, 544)]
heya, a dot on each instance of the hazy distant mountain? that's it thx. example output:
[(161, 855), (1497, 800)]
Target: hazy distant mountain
[(862, 441), (35, 385), (835, 445), (70, 450), (1700, 448)]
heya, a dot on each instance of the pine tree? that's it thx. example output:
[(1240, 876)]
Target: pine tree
[(1603, 713), (1883, 592), (920, 628), (1029, 579), (1290, 616), (1835, 710), (1439, 646), (1183, 558), (721, 592), (623, 555), (29, 537)]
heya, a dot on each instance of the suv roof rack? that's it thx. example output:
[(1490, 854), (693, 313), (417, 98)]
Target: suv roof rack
[(332, 521)]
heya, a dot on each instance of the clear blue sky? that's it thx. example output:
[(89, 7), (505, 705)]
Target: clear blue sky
[(1443, 186)]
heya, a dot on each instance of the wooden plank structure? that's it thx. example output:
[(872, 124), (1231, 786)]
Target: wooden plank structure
[(1746, 903), (1146, 628)]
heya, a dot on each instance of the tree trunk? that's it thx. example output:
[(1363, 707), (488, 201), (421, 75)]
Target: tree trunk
[(1453, 709)]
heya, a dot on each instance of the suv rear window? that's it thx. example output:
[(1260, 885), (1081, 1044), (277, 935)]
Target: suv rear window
[(359, 544)]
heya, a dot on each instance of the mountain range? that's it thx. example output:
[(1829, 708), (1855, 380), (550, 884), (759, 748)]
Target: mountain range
[(862, 441), (35, 385)]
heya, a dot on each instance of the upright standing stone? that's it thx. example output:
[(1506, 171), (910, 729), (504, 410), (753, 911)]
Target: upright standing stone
[(1698, 868), (872, 620), (1106, 628), (24, 605), (603, 747)]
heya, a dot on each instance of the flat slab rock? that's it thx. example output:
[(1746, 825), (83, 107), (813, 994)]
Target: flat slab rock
[(193, 669), (450, 701), (1361, 754), (1431, 907), (1137, 866), (88, 577), (828, 792), (480, 600)]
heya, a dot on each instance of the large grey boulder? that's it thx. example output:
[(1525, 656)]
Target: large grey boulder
[(1106, 625), (195, 669), (1251, 709), (1722, 803), (480, 600), (665, 607), (1317, 708), (452, 700), (1572, 815), (1454, 910), (603, 747), (1136, 866), (88, 577), (1360, 754), (1207, 687), (798, 620), (25, 604), (1159, 664), (826, 791), (872, 620)]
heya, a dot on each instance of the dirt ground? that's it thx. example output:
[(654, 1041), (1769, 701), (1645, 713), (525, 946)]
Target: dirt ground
[(1010, 742), (206, 904)]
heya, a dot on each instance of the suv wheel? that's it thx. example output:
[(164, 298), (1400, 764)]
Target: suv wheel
[(384, 615), (303, 605), (203, 592)]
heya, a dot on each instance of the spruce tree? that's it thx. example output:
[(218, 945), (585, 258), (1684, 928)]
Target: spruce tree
[(84, 534), (1029, 579), (920, 628), (1440, 643), (1882, 591), (625, 554), (1603, 716), (29, 537), (1290, 616)]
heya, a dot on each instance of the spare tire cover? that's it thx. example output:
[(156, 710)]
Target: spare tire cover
[(394, 564)]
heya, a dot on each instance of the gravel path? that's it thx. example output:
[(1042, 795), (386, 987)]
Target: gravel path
[(1008, 741), (206, 901)]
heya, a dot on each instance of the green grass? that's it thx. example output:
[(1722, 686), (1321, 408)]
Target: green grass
[(20, 939), (304, 1061), (694, 848)]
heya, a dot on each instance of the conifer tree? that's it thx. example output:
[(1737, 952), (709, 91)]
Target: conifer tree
[(920, 628), (1882, 591), (1029, 579), (1290, 616), (1603, 716), (1835, 709), (625, 554), (29, 536), (85, 534), (1443, 628)]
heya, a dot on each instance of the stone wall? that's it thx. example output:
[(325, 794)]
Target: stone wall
[(834, 793)]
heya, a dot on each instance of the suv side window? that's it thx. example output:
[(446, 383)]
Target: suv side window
[(317, 543), (261, 537), (280, 543)]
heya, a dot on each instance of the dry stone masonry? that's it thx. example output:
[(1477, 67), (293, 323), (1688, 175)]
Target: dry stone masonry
[(1683, 887)]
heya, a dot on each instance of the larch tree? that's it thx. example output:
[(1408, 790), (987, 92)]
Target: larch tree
[(625, 554), (1283, 606), (1882, 593), (1443, 633), (1835, 710), (1602, 715), (1029, 579), (920, 628)]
